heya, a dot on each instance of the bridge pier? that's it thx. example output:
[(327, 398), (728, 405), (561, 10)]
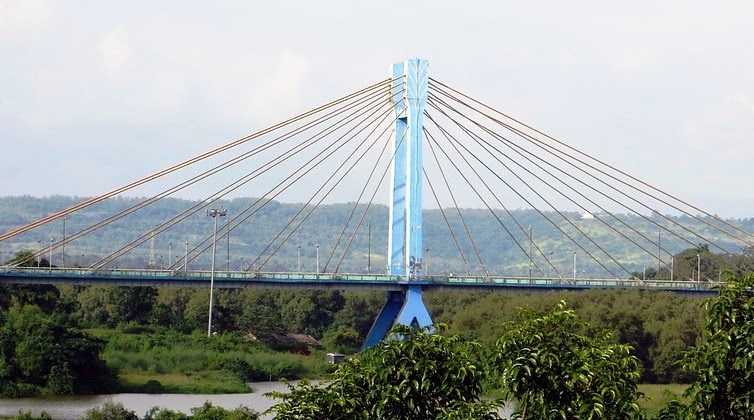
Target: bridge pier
[(409, 97), (402, 307)]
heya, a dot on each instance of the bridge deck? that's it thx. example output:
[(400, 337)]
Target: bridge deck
[(241, 279)]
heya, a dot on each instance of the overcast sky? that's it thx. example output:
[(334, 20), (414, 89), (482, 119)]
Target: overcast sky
[(94, 95)]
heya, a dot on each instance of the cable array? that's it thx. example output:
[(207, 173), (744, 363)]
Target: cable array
[(478, 162)]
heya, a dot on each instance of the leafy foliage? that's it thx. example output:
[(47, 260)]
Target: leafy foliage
[(39, 353), (421, 376), (116, 411), (555, 371), (724, 361)]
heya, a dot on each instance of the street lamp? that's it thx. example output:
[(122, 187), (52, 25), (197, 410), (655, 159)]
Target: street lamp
[(298, 258), (317, 247), (698, 268), (426, 264), (574, 267), (185, 260), (213, 213), (50, 254), (62, 254), (659, 251), (170, 254), (672, 261), (530, 246), (227, 246)]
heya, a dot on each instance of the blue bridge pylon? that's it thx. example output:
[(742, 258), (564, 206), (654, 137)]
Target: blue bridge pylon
[(409, 97)]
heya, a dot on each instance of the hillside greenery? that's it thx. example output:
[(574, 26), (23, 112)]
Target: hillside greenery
[(500, 251)]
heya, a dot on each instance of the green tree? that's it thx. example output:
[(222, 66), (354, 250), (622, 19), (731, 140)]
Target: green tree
[(724, 362), (420, 376), (38, 352), (111, 411), (131, 304), (555, 371)]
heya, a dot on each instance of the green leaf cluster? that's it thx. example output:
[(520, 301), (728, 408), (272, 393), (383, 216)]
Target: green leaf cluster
[(38, 353), (724, 361), (555, 370), (420, 376)]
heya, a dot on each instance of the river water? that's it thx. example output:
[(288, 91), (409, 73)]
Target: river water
[(69, 408)]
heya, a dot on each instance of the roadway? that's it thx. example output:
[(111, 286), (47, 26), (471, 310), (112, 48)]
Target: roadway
[(331, 281)]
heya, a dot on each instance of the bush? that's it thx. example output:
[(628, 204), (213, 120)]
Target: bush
[(110, 411)]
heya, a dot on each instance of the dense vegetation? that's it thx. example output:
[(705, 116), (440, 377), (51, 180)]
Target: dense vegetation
[(596, 377), (73, 340), (548, 364), (155, 339)]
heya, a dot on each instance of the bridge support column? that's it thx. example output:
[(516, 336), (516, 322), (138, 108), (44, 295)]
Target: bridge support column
[(409, 97)]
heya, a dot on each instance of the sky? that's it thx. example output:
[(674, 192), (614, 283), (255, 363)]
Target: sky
[(94, 95)]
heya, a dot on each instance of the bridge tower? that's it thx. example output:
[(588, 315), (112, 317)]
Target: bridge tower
[(409, 97)]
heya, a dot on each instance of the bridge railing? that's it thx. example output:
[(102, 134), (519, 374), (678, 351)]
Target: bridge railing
[(9, 273)]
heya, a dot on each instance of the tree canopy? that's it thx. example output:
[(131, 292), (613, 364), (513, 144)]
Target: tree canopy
[(555, 370), (724, 361), (419, 376)]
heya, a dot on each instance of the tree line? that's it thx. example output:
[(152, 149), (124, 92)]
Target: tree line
[(625, 336), (548, 364), (659, 326)]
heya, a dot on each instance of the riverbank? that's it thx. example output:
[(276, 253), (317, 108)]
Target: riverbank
[(76, 407)]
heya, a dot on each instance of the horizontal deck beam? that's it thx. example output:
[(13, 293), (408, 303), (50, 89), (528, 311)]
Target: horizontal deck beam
[(330, 281)]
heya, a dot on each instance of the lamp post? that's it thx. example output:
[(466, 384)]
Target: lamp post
[(298, 258), (213, 213), (62, 255), (185, 260), (50, 255), (530, 246), (426, 264), (672, 261), (170, 255), (369, 247), (317, 247), (227, 246), (659, 251), (574, 266), (698, 268)]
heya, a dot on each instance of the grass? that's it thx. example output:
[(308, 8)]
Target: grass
[(657, 396), (179, 383), (170, 362)]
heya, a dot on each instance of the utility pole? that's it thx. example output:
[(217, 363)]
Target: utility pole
[(214, 214), (574, 267), (659, 251), (530, 246)]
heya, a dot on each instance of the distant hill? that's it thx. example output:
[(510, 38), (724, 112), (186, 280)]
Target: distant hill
[(502, 249)]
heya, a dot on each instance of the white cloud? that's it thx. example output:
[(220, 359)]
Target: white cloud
[(24, 17), (114, 50), (598, 75), (283, 83), (724, 132)]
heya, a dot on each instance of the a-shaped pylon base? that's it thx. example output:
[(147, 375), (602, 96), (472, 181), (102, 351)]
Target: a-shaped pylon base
[(402, 307)]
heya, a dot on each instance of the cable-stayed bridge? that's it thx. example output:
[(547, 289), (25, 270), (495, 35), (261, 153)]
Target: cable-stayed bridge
[(411, 143)]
